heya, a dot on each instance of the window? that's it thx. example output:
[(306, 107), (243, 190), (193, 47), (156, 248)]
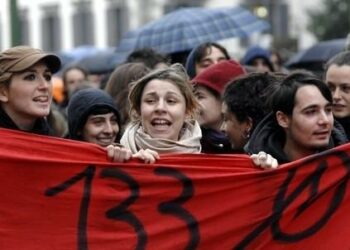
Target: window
[(116, 22), (83, 24), (24, 26), (50, 29)]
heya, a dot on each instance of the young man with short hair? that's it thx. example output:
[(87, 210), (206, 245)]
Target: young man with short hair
[(301, 122)]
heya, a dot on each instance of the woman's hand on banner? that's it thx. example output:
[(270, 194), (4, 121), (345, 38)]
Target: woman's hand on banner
[(147, 155), (118, 154)]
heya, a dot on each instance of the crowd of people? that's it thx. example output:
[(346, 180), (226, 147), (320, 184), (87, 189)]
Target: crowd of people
[(213, 104)]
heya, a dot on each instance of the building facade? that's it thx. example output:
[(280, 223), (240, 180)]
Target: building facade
[(59, 25)]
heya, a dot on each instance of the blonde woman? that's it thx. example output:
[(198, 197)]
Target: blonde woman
[(162, 109)]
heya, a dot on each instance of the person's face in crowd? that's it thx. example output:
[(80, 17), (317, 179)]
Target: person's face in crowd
[(310, 125), (275, 62), (95, 80), (163, 109), (213, 57), (338, 81), (237, 132), (260, 65), (28, 95), (210, 108), (74, 78), (101, 129)]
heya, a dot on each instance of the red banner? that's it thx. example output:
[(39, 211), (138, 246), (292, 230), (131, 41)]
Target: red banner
[(60, 194)]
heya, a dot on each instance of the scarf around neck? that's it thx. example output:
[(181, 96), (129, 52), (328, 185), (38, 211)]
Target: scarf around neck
[(135, 138)]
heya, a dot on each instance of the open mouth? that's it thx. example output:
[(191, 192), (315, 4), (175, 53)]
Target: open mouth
[(160, 123), (42, 99), (106, 141)]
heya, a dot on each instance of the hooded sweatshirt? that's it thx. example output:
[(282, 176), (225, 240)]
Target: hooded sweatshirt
[(82, 104), (345, 122), (191, 63), (257, 52)]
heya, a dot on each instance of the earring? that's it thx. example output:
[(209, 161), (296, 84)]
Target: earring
[(247, 134)]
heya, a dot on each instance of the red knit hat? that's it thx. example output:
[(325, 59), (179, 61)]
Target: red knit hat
[(218, 75)]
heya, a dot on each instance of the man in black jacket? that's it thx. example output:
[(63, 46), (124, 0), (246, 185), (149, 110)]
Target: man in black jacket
[(301, 122)]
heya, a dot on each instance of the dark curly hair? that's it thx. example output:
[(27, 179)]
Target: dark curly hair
[(246, 97), (148, 56)]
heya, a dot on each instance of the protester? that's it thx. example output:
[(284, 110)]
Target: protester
[(149, 57), (162, 109), (301, 122), (93, 117), (277, 62), (26, 88), (259, 58), (119, 83), (72, 77), (209, 85), (244, 106), (337, 77), (204, 55)]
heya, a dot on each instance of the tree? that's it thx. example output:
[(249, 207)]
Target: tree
[(331, 21)]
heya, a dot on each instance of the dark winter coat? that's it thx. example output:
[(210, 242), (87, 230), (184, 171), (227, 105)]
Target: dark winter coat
[(41, 126), (215, 142), (345, 122)]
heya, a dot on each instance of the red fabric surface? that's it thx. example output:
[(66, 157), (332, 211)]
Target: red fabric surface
[(182, 202)]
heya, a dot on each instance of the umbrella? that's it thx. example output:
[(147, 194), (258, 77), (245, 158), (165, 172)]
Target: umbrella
[(81, 52), (65, 59), (317, 55), (98, 63), (186, 28), (70, 57), (126, 46)]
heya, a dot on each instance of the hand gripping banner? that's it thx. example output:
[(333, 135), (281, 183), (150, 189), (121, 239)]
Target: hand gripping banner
[(61, 194)]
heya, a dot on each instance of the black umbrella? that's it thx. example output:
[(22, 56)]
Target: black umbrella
[(317, 55)]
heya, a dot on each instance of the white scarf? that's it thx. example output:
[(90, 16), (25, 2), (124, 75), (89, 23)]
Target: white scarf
[(135, 139)]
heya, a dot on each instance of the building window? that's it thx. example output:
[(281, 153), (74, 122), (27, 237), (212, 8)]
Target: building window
[(116, 22), (24, 26), (83, 24), (51, 29)]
